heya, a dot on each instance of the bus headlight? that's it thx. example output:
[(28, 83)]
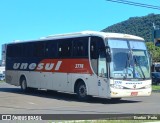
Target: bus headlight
[(148, 86), (116, 86)]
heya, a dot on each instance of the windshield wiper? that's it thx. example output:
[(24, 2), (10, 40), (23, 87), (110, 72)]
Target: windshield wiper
[(128, 64), (136, 62)]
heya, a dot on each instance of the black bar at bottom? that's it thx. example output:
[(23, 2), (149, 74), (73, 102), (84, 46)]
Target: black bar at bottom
[(79, 116)]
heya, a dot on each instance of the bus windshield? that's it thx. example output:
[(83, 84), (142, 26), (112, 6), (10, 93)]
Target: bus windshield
[(130, 59)]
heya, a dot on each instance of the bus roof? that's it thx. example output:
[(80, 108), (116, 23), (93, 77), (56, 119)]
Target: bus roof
[(96, 33), (86, 33)]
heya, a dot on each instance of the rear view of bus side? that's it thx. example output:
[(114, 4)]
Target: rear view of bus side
[(105, 65)]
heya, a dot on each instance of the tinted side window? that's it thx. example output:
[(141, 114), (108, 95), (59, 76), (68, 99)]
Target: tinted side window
[(96, 45), (39, 49), (51, 49), (80, 47), (15, 50), (94, 49), (10, 50), (28, 50), (65, 48), (19, 50)]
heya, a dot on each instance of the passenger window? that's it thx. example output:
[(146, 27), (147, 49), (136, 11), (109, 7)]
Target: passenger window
[(39, 49), (28, 50), (51, 49), (80, 47), (64, 48), (10, 51), (18, 50), (15, 50), (93, 49)]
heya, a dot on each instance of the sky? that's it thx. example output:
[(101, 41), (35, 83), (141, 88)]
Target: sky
[(32, 19)]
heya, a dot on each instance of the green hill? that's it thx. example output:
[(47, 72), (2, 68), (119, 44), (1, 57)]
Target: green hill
[(140, 26)]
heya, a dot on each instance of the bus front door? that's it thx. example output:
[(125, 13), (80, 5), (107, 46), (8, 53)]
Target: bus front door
[(103, 83)]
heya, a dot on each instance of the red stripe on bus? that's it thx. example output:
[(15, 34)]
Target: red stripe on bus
[(65, 66)]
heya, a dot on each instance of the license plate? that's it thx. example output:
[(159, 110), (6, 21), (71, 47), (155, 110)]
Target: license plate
[(134, 93)]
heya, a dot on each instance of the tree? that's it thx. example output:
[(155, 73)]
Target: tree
[(139, 26), (154, 50)]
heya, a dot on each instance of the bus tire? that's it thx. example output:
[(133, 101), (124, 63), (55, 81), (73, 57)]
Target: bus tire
[(24, 87), (81, 91)]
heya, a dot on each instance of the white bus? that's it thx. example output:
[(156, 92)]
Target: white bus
[(88, 63)]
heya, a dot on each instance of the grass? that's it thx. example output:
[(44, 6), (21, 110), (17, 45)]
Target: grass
[(155, 87), (121, 121)]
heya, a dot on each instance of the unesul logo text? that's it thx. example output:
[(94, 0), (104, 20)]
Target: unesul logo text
[(40, 66)]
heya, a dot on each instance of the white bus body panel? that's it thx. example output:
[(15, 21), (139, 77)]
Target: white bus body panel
[(58, 82)]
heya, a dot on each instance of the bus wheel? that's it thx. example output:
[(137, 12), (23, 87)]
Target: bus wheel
[(24, 85), (81, 91)]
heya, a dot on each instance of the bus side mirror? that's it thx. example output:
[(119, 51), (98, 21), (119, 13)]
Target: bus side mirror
[(108, 54)]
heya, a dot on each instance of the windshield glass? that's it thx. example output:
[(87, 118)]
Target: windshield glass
[(129, 59)]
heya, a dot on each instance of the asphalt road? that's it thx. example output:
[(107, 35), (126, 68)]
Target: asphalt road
[(13, 101)]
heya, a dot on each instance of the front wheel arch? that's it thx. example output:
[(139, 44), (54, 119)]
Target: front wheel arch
[(81, 90), (79, 81)]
